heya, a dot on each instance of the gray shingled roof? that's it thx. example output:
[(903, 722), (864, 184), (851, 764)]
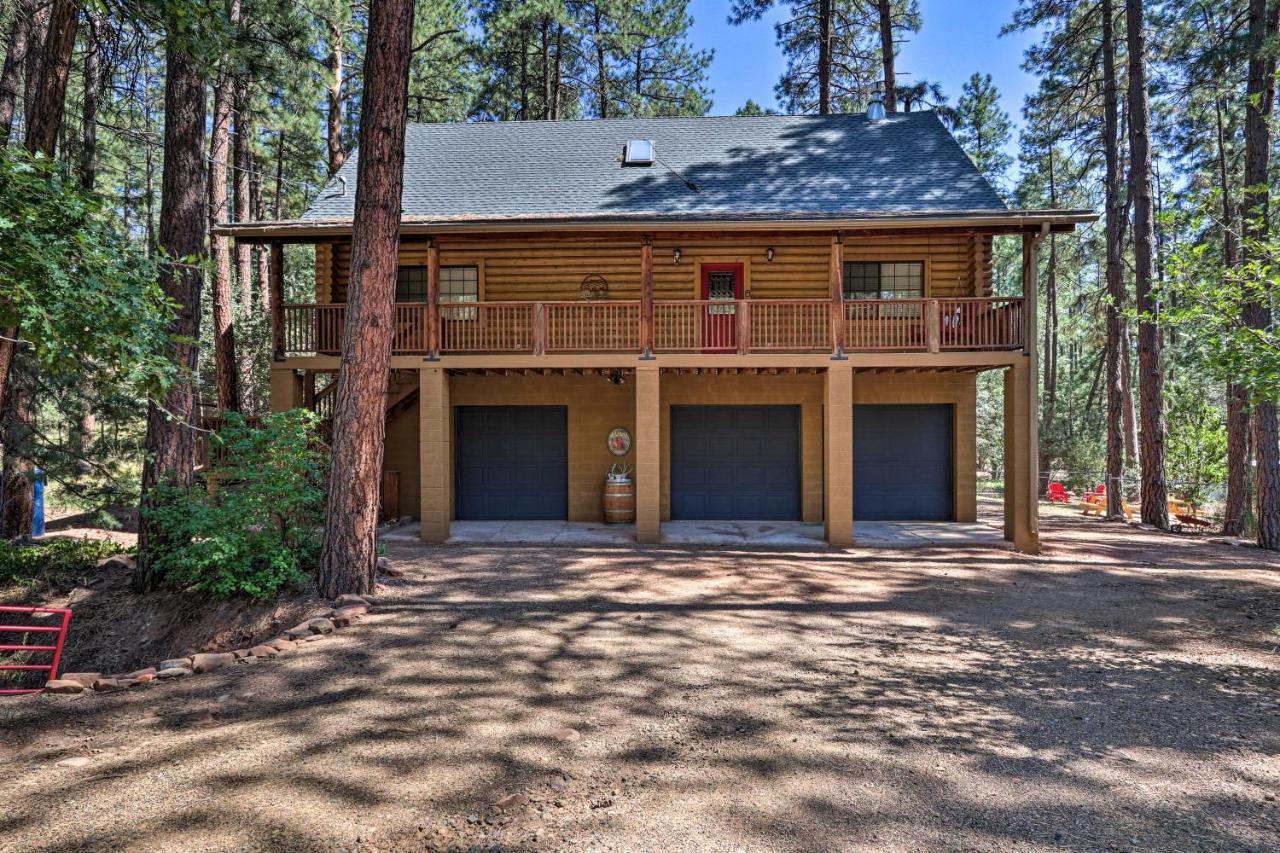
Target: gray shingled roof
[(759, 167)]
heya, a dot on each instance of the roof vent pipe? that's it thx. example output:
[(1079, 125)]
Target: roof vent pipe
[(875, 107)]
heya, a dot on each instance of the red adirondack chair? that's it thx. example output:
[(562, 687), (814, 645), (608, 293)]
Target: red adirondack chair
[(1058, 494)]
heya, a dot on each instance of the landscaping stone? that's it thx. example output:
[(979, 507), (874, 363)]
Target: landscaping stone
[(108, 685), (63, 685), (241, 654), (297, 632), (320, 625), (143, 674), (566, 734), (350, 598), (384, 566), (210, 662), (264, 651), (511, 801), (173, 663), (283, 644), (345, 616), (173, 672), (85, 679)]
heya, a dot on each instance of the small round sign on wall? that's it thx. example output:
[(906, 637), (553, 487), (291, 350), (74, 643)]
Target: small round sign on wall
[(619, 441)]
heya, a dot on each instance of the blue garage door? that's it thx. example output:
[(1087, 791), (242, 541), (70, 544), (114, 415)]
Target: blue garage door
[(735, 462), (902, 463), (512, 463)]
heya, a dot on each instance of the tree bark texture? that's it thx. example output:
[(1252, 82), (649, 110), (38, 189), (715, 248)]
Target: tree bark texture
[(1114, 227), (45, 118), (15, 60), (885, 9), (1151, 438), (171, 440), (226, 368), (1264, 18), (89, 110), (333, 121), (243, 156), (35, 56), (348, 559), (826, 12)]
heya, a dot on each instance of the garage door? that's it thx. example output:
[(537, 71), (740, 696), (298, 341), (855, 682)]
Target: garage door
[(512, 462), (902, 466), (735, 462)]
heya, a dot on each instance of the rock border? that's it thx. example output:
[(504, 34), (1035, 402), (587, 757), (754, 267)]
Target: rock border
[(348, 609)]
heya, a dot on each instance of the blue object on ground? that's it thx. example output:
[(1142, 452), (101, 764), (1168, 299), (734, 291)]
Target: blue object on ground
[(37, 518)]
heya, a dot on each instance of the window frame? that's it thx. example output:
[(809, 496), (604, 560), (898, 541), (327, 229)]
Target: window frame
[(447, 297), (880, 292)]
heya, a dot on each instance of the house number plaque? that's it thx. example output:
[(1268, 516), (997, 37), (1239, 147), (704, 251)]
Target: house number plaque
[(619, 441)]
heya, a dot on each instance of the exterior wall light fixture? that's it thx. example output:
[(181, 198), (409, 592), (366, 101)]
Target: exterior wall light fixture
[(768, 254), (675, 256)]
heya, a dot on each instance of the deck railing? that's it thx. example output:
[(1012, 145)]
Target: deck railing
[(679, 326)]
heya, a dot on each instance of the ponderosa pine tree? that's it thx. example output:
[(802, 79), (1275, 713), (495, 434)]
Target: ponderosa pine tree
[(1155, 489), (171, 440), (226, 367), (349, 552)]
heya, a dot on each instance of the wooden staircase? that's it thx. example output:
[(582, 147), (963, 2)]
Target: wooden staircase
[(402, 391)]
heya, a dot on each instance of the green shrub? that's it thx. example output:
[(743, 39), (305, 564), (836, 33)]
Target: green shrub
[(53, 558), (258, 529)]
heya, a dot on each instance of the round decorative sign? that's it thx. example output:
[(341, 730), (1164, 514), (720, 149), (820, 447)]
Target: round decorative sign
[(619, 441)]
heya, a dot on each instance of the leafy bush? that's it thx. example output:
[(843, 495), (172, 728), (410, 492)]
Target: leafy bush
[(53, 558), (256, 529)]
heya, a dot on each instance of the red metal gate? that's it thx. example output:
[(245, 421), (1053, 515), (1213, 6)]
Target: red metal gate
[(54, 647)]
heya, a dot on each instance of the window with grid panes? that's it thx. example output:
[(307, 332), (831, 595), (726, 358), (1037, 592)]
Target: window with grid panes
[(457, 284), (883, 279)]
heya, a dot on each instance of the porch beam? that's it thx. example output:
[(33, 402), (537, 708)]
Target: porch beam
[(277, 300), (835, 284), (435, 454), (433, 300), (837, 437), (648, 474)]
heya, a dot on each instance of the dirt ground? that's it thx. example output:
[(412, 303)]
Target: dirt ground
[(1120, 692)]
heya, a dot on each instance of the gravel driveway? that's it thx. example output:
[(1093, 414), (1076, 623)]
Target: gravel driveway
[(1121, 691)]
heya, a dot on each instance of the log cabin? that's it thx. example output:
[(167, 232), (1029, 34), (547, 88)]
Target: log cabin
[(770, 317)]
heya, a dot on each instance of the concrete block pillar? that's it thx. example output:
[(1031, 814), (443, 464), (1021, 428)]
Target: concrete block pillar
[(436, 453), (286, 389), (1021, 519), (648, 456), (837, 438)]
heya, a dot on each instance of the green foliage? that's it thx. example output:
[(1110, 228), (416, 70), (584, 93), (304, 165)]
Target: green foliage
[(1196, 446), (31, 563), (259, 529), (83, 294), (983, 129)]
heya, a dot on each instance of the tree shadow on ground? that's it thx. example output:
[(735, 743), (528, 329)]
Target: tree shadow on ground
[(935, 698)]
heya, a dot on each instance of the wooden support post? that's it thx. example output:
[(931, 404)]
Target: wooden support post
[(309, 390), (835, 276), (744, 326), (277, 301), (933, 325), (646, 297), (435, 454), (837, 436), (286, 389), (648, 456), (433, 300), (539, 328), (1030, 292)]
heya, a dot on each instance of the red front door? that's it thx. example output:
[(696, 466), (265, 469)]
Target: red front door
[(721, 283)]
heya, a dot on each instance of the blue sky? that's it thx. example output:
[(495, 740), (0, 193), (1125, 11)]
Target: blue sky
[(957, 38)]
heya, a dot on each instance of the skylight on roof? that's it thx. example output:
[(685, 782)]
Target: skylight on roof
[(638, 152)]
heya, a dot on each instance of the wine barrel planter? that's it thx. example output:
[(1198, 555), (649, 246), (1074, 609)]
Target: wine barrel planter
[(619, 502)]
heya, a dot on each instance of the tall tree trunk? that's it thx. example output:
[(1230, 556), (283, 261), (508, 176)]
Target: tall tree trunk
[(15, 60), (333, 125), (89, 111), (348, 559), (243, 157), (260, 253), (885, 9), (226, 368), (278, 205), (170, 441), (1050, 340), (1155, 490), (602, 69), (1264, 18), (1233, 513), (546, 67), (35, 56), (1114, 226), (826, 12), (44, 119)]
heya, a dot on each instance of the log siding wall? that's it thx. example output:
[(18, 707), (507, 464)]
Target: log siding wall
[(533, 269)]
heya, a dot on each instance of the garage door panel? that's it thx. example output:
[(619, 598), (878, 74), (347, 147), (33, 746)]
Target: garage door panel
[(735, 462), (902, 463), (511, 463)]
